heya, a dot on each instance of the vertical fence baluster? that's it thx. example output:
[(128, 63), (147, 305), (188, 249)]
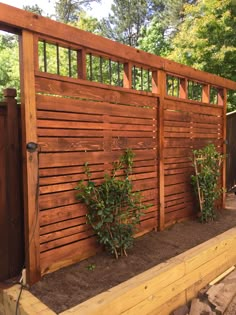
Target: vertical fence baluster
[(58, 59), (118, 72), (110, 71), (90, 67), (142, 79), (45, 55), (148, 80), (100, 67), (178, 86), (69, 62), (134, 77)]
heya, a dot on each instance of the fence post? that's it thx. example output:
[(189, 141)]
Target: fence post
[(159, 86), (30, 158), (13, 177), (222, 100)]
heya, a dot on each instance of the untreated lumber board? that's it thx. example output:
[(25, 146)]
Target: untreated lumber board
[(152, 290)]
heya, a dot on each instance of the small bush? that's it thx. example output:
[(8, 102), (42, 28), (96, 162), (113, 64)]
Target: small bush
[(207, 163), (114, 210)]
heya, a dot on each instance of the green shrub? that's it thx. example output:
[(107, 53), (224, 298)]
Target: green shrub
[(207, 163), (114, 210)]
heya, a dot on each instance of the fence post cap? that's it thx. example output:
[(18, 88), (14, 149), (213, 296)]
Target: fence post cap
[(9, 92)]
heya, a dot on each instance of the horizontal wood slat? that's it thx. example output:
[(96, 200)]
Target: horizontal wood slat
[(95, 127), (187, 126)]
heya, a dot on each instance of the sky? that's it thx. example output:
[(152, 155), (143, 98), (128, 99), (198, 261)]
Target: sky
[(98, 10)]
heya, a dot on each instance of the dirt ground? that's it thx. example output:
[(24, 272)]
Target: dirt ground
[(72, 285)]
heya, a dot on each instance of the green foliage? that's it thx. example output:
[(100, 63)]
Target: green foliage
[(125, 22), (68, 10), (206, 39), (9, 63), (114, 210), (91, 267), (208, 164), (153, 38), (34, 9)]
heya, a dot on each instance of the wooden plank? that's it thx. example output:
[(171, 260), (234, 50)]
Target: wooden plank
[(63, 233), (161, 145), (65, 241), (61, 214), (201, 108), (26, 20), (69, 183), (173, 189), (70, 158), (30, 161), (66, 255), (59, 124), (57, 199), (55, 85), (59, 104), (54, 132), (69, 144), (67, 116)]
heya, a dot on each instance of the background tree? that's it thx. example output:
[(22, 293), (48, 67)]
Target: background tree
[(68, 10), (166, 16), (34, 9), (126, 20), (9, 63), (206, 39)]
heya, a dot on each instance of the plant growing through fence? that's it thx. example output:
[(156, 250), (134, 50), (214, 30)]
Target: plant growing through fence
[(114, 210), (207, 163)]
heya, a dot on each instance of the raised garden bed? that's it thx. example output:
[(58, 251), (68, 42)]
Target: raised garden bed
[(70, 286)]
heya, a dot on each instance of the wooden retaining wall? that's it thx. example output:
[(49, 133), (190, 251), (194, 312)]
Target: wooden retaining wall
[(163, 288), (159, 290), (86, 99)]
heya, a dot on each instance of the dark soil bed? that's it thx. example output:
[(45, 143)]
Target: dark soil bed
[(72, 285)]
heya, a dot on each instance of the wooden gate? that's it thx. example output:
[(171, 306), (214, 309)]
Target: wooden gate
[(11, 209)]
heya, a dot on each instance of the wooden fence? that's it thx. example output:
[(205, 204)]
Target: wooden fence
[(11, 207), (231, 152), (107, 98)]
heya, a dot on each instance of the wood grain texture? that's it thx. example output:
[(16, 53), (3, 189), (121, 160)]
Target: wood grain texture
[(11, 16), (30, 165)]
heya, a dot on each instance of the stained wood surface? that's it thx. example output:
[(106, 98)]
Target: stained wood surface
[(95, 127), (13, 17), (30, 159), (11, 207), (187, 126), (74, 120)]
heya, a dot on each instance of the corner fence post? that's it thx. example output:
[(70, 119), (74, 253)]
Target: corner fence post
[(13, 177), (28, 54)]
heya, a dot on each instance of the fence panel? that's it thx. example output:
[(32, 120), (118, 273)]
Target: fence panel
[(187, 126), (95, 127)]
